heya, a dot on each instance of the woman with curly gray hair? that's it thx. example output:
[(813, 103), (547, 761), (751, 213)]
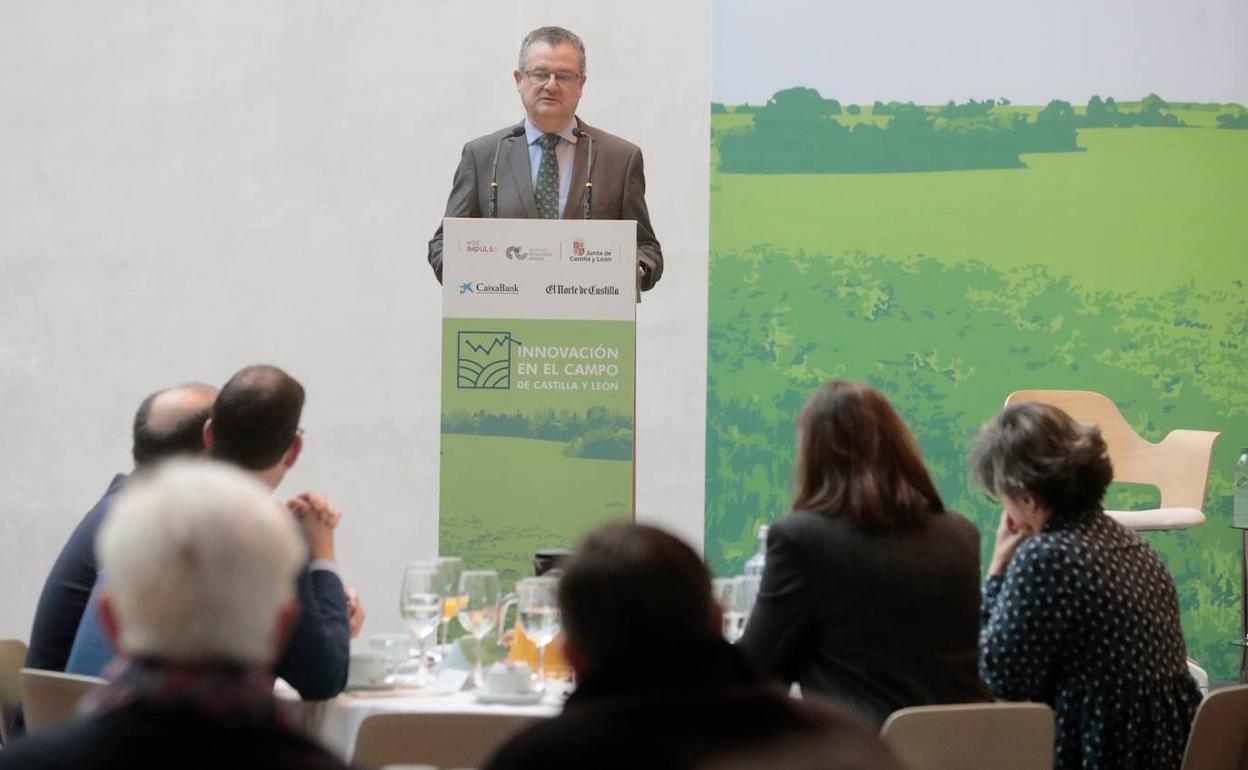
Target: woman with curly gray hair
[(1078, 611)]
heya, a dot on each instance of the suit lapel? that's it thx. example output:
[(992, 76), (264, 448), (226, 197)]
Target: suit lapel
[(575, 208), (522, 177)]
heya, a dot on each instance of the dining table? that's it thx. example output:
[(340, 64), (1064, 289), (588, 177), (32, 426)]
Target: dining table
[(335, 723)]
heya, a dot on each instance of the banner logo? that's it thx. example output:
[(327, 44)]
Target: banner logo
[(484, 361), (582, 254), (562, 288), (481, 287), (514, 252)]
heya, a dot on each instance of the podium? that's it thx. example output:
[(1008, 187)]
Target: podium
[(538, 362)]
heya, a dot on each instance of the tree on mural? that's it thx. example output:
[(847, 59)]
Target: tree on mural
[(1227, 120), (603, 443), (971, 109), (797, 132), (1105, 114)]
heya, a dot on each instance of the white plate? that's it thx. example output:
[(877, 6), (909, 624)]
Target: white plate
[(510, 699), (369, 687)]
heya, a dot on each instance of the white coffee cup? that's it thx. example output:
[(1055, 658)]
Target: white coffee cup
[(512, 678), (366, 669)]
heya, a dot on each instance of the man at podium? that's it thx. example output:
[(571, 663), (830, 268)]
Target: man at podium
[(553, 165)]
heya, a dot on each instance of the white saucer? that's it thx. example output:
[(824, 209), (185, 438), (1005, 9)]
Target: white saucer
[(509, 699), (369, 687)]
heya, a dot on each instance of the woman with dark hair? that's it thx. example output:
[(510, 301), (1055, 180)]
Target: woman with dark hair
[(1079, 611), (870, 592)]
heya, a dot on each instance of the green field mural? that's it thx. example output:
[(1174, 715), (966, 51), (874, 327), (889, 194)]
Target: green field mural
[(952, 253)]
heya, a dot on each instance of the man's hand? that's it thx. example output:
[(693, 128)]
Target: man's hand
[(1010, 535), (355, 612), (318, 517)]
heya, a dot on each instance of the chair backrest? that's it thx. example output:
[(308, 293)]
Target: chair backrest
[(1178, 466), (12, 657), (50, 697), (985, 736), (1219, 737), (442, 740)]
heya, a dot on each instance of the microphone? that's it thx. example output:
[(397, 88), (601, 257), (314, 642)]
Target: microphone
[(589, 184), (512, 134)]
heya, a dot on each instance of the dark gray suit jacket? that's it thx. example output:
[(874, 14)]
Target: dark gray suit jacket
[(619, 189), (878, 621)]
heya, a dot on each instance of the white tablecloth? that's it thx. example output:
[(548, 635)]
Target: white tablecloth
[(336, 722)]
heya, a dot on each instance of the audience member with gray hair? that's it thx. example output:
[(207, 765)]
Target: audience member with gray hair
[(200, 599), (1078, 611)]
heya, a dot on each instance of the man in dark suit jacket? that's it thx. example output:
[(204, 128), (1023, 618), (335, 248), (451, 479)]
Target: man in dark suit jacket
[(254, 425), (168, 423), (192, 694), (540, 182)]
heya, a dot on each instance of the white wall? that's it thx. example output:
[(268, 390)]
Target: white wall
[(188, 187)]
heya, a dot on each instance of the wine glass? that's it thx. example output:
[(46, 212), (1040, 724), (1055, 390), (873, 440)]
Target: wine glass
[(538, 600), (420, 604), (449, 569), (478, 611)]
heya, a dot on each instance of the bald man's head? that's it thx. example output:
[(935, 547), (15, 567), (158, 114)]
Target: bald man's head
[(171, 422)]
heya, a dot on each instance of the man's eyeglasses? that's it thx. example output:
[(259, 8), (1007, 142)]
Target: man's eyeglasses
[(542, 77)]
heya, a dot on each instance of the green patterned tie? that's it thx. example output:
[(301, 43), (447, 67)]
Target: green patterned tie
[(547, 188)]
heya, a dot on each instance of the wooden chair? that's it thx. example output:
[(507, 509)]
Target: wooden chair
[(12, 658), (985, 736), (1178, 466), (1219, 737), (442, 740), (50, 697)]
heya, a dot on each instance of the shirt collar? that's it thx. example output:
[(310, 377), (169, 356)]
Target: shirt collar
[(532, 133)]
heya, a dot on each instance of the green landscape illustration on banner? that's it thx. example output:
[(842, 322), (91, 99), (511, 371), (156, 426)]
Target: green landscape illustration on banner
[(950, 254), (537, 437)]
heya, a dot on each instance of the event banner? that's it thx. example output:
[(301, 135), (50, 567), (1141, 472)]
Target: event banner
[(538, 335)]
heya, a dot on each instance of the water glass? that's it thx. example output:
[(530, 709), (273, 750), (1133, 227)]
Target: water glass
[(538, 602)]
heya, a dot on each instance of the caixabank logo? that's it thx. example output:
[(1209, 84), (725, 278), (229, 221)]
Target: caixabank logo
[(484, 360), (481, 287)]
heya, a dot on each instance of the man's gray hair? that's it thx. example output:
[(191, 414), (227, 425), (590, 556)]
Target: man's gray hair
[(553, 36), (200, 561)]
